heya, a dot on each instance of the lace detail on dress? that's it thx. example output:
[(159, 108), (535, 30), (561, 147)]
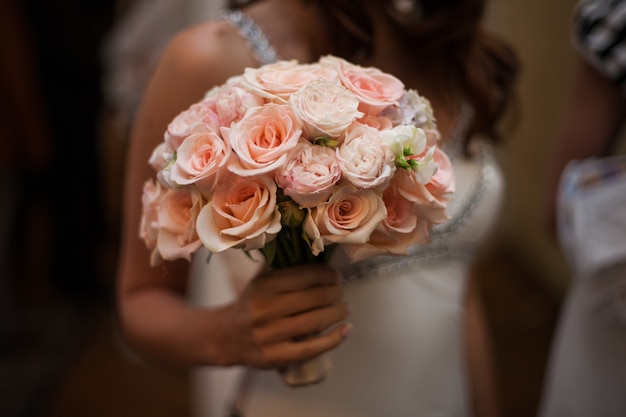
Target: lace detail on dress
[(260, 45)]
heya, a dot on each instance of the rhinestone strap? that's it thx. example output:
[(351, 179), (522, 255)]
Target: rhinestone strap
[(261, 47)]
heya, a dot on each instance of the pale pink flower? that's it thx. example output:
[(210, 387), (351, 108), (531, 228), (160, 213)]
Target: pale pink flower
[(262, 140), (177, 214), (276, 82), (309, 174), (411, 149), (199, 159), (365, 160), (442, 184), (149, 223), (161, 156), (242, 213), (349, 217), (231, 102), (412, 109), (325, 109), (375, 89), (431, 198), (201, 115)]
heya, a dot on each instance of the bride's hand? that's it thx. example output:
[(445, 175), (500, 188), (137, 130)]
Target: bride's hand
[(270, 321)]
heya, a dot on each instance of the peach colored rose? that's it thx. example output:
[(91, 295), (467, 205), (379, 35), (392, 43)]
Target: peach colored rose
[(377, 122), (309, 174), (242, 213), (401, 229), (364, 159), (349, 217), (324, 109), (199, 115), (276, 82), (262, 140), (177, 214), (198, 160), (375, 89)]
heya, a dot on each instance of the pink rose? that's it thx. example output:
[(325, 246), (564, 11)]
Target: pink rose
[(349, 217), (262, 140), (242, 213), (200, 115), (375, 89), (198, 160), (309, 174), (277, 81), (364, 159), (324, 109), (177, 214)]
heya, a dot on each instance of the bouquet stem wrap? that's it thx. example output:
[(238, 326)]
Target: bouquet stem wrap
[(307, 372), (291, 248)]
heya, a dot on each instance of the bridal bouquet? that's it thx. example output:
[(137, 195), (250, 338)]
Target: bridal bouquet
[(292, 159)]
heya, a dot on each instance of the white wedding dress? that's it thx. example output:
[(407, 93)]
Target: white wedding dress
[(405, 356)]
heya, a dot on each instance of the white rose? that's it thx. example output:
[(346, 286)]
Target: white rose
[(365, 160), (324, 109), (277, 81)]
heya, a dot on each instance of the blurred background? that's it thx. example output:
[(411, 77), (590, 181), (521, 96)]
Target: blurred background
[(72, 72)]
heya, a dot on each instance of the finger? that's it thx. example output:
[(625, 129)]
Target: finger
[(285, 353), (312, 322), (278, 306)]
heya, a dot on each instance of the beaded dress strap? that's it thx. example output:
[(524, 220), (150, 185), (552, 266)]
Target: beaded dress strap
[(259, 43)]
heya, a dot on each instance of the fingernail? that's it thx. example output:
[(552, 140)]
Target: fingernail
[(347, 329)]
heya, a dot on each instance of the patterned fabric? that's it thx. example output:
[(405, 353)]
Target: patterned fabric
[(599, 30)]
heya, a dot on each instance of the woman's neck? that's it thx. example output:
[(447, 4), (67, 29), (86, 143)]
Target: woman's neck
[(288, 24)]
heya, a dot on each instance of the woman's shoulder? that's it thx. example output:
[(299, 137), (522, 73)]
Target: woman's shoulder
[(209, 53)]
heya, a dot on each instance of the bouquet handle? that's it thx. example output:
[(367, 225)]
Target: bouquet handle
[(310, 371)]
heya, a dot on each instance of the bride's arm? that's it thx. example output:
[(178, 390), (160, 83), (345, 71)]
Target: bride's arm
[(155, 317)]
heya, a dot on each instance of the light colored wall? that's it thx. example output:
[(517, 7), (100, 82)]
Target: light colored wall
[(540, 31)]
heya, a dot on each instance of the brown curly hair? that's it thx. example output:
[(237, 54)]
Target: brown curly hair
[(481, 65)]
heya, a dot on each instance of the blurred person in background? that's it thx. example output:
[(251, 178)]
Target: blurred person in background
[(585, 209)]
